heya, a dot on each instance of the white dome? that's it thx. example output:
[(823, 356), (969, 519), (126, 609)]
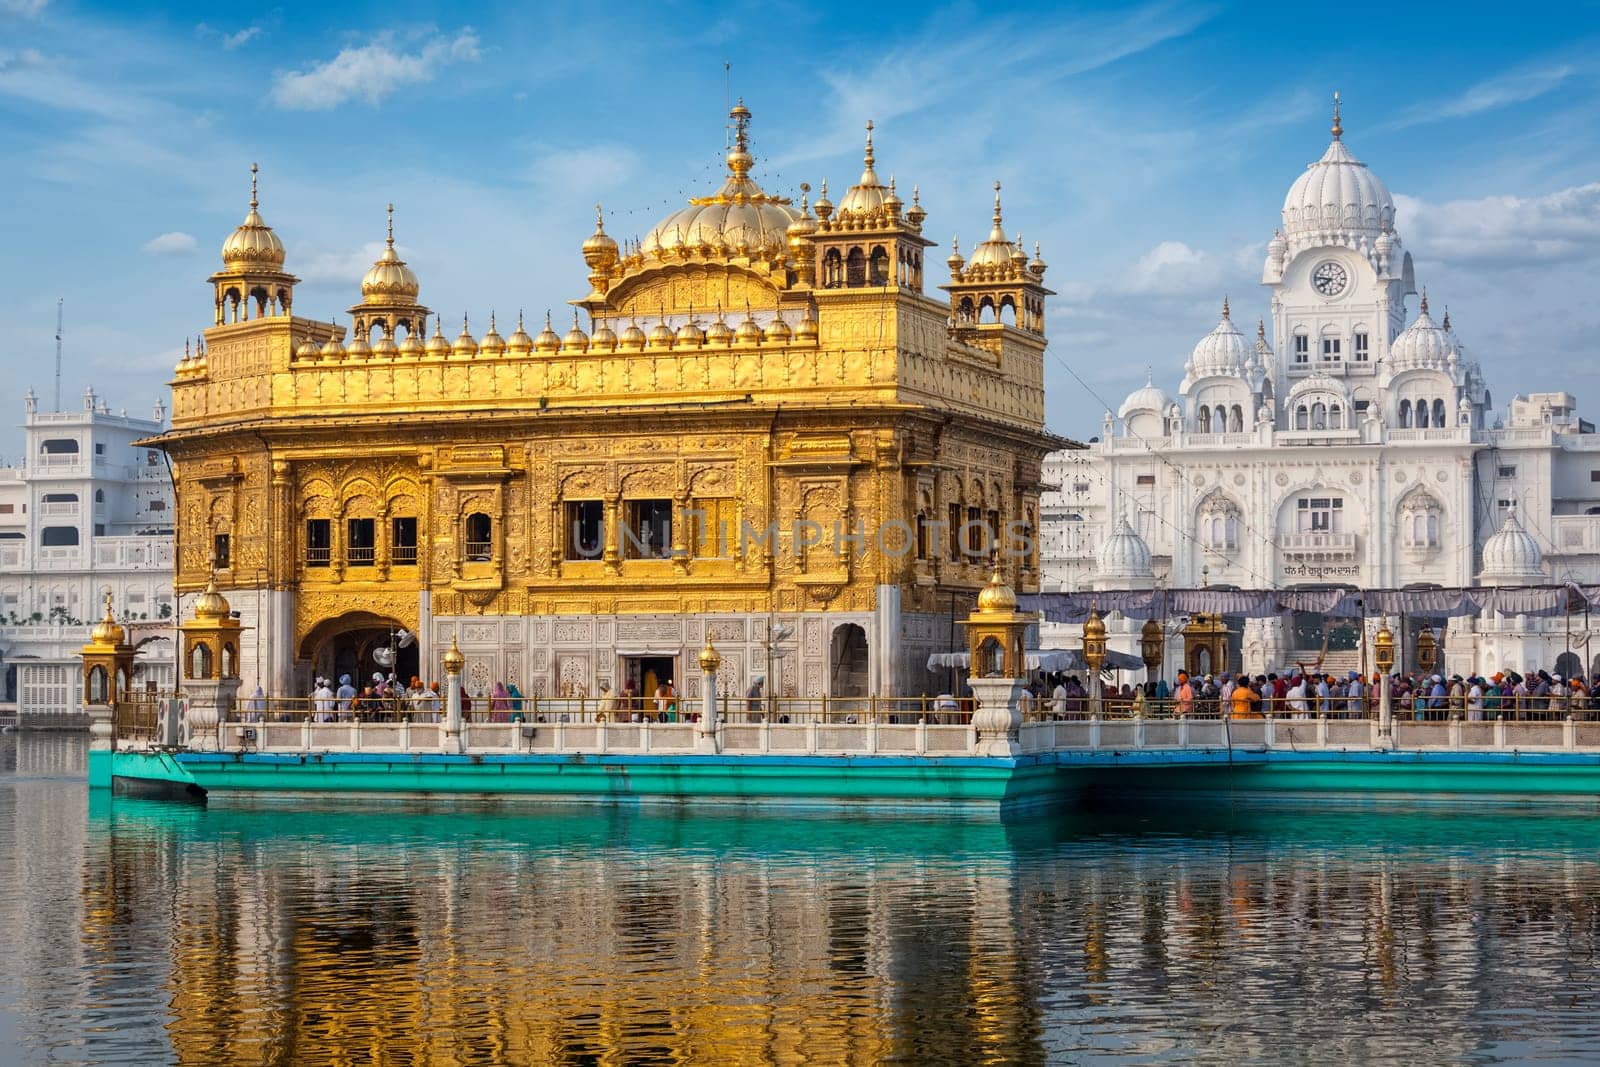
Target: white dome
[(1124, 555), (1148, 397), (1338, 196), (1512, 555), (1424, 343), (1222, 351)]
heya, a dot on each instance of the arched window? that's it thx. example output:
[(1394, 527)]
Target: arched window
[(832, 269), (99, 686), (1335, 417), (478, 531), (880, 266), (200, 662), (1438, 414), (228, 665), (855, 269), (1203, 420), (1236, 419), (1319, 416), (1405, 414), (1302, 417), (99, 496)]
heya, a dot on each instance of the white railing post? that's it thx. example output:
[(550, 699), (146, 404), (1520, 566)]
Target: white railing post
[(1322, 729), (602, 740), (1569, 733), (1453, 733), (1499, 733), (1183, 731), (644, 735), (1269, 731), (922, 736), (811, 737), (1094, 732)]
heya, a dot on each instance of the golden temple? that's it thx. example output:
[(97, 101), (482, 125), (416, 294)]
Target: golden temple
[(768, 434)]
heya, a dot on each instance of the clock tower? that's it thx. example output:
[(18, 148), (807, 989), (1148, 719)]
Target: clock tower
[(1337, 274)]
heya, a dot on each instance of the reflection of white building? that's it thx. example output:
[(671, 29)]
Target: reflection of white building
[(84, 510), (1340, 441)]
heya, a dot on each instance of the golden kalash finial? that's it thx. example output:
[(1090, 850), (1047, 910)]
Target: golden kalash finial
[(710, 658), (106, 632), (390, 239), (453, 659), (254, 170), (868, 160), (1338, 127)]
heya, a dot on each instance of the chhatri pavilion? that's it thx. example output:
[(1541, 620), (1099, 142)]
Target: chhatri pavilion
[(759, 428)]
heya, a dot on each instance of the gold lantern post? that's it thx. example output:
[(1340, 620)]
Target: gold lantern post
[(1383, 655), (454, 663), (1094, 654), (1152, 643), (705, 733), (1427, 650)]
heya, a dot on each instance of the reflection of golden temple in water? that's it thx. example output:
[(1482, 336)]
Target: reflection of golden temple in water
[(465, 938), (759, 383)]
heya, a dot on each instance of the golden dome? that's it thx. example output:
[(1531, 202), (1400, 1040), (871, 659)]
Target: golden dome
[(212, 604), (106, 631), (599, 250), (749, 331), (955, 261), (777, 330), (808, 328), (333, 349), (690, 334), (386, 347), (575, 340), (914, 214), (253, 244), (996, 251), (633, 337), (492, 344), (1094, 628), (720, 332), (710, 658), (740, 219), (308, 349), (412, 345), (824, 206), (604, 339), (358, 348), (661, 336), (804, 226), (390, 281), (437, 345), (892, 202), (997, 597), (466, 345), (1038, 265), (548, 340), (520, 343), (866, 196)]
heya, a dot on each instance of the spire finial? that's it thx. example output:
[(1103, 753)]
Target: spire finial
[(1446, 323), (599, 219), (868, 159), (547, 318), (463, 322), (1261, 329), (1338, 127), (391, 225), (491, 320), (1149, 374), (1424, 301), (519, 318), (254, 170), (916, 195), (997, 204), (1225, 312)]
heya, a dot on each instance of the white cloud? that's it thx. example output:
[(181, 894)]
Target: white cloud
[(1562, 226), (1174, 269), (229, 41), (1512, 87), (25, 8), (338, 268), (573, 170), (175, 243), (370, 72)]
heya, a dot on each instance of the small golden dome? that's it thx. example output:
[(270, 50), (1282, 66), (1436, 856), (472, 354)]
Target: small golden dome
[(777, 331), (824, 206), (808, 328), (996, 251), (466, 345), (633, 337), (1038, 265), (749, 331), (453, 659), (308, 349), (253, 244), (599, 250), (865, 197), (212, 604), (661, 336), (575, 340), (358, 348), (955, 261), (997, 597), (915, 214), (412, 345), (492, 344), (892, 203), (720, 333), (1019, 258), (386, 348), (548, 340), (604, 339), (1094, 628), (804, 226), (710, 658), (106, 631), (390, 281), (437, 345), (520, 343), (690, 334), (332, 349)]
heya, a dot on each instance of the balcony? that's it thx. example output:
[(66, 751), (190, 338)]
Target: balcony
[(1318, 544), (405, 555), (319, 557), (1434, 434), (360, 557), (59, 508)]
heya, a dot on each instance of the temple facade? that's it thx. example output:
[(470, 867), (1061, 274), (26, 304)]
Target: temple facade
[(759, 427)]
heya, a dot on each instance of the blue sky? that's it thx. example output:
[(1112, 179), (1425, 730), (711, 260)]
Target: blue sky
[(1147, 148)]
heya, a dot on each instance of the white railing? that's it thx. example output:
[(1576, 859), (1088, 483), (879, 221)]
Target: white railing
[(1299, 735), (1443, 433), (1321, 542), (12, 557), (69, 554), (1576, 533), (132, 552)]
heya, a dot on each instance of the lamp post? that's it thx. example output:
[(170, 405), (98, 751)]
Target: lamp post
[(1383, 656), (1094, 654), (453, 662), (706, 729), (1427, 649), (1152, 639)]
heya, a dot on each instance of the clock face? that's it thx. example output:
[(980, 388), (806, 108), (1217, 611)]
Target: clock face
[(1329, 279)]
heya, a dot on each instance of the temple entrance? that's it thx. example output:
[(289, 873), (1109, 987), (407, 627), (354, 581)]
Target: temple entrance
[(644, 674), (356, 644), (848, 662)]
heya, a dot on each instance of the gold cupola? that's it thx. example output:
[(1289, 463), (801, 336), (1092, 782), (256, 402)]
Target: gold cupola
[(520, 343), (389, 300), (412, 344), (390, 281), (808, 329), (437, 346), (548, 340), (253, 244), (466, 346), (252, 283), (661, 335), (600, 248), (633, 338), (604, 339), (720, 333), (777, 331), (333, 348), (493, 344), (212, 604), (575, 340), (865, 198), (107, 633), (690, 335), (749, 331), (995, 252)]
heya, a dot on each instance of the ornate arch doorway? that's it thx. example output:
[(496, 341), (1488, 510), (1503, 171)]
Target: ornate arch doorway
[(345, 645)]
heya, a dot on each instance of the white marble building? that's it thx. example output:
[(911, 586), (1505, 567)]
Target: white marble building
[(83, 509), (1337, 439)]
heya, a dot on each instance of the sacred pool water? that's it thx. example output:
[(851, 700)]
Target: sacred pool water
[(140, 932)]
